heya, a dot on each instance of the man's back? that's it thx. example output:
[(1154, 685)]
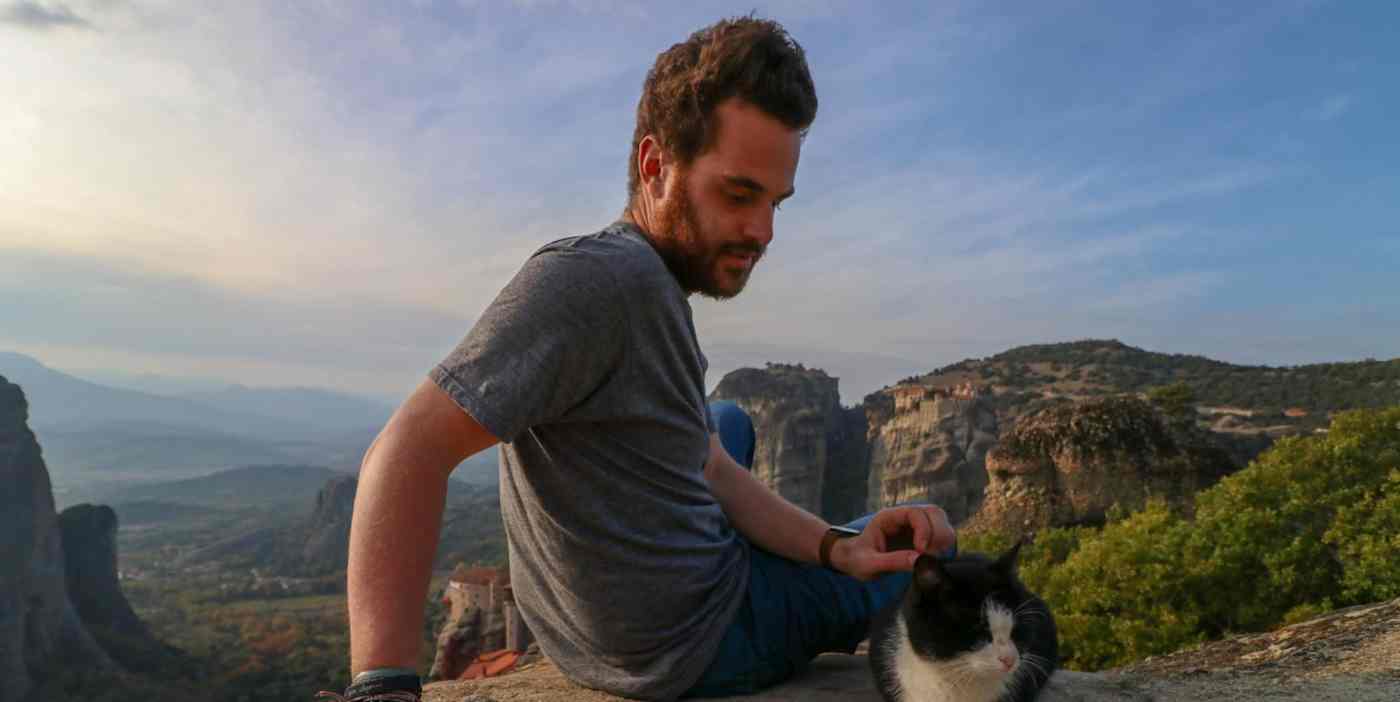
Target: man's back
[(621, 559)]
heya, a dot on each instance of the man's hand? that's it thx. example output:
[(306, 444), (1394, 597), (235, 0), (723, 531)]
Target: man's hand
[(892, 541)]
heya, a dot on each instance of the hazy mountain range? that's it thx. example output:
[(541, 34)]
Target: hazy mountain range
[(95, 433)]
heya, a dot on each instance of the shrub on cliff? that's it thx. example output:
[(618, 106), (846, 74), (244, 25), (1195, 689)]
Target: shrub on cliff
[(1311, 525)]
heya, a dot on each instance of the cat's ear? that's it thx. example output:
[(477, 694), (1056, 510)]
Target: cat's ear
[(929, 575), (1006, 563)]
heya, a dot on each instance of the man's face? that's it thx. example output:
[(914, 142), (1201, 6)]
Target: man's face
[(717, 217)]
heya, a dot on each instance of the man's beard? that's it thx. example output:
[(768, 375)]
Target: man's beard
[(694, 262)]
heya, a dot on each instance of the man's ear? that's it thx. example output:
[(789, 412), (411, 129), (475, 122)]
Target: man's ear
[(653, 166)]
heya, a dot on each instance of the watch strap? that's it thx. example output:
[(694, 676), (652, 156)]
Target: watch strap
[(829, 540)]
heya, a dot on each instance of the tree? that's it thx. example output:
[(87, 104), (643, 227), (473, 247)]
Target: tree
[(1177, 401)]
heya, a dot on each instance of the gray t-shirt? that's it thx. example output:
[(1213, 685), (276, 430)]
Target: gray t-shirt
[(587, 367)]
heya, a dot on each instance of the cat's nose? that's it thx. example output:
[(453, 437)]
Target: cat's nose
[(1008, 661)]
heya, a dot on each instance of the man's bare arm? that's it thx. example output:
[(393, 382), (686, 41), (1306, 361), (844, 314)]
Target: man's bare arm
[(394, 533), (767, 519)]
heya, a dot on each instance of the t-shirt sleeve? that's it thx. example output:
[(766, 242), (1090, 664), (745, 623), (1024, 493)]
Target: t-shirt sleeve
[(547, 342)]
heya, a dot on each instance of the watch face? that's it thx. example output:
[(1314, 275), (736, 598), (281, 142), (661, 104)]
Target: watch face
[(845, 531)]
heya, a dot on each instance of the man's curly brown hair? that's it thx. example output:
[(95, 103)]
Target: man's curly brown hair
[(745, 57)]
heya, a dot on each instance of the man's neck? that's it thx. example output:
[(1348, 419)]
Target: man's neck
[(642, 215), (637, 217)]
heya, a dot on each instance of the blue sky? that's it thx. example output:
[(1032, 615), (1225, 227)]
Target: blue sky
[(328, 193)]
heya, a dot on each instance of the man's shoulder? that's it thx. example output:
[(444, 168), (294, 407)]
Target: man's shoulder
[(619, 251)]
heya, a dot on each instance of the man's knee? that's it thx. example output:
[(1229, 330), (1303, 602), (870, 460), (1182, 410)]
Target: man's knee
[(735, 429)]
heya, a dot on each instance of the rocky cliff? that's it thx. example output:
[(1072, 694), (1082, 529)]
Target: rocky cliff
[(1066, 461), (316, 545), (1072, 463), (929, 445), (905, 444), (41, 633), (90, 566), (325, 538)]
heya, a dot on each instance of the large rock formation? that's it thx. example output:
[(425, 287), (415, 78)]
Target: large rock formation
[(325, 538), (929, 445), (41, 633), (315, 546), (1072, 463), (909, 443), (809, 448), (90, 563)]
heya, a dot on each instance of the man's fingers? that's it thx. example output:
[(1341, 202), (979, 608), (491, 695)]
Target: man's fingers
[(893, 561), (922, 525), (941, 535)]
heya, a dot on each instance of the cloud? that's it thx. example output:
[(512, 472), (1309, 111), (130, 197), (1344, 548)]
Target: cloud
[(31, 14), (237, 189), (101, 308)]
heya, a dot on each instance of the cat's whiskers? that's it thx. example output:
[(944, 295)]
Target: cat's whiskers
[(1038, 663)]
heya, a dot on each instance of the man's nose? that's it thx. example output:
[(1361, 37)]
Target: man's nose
[(759, 228)]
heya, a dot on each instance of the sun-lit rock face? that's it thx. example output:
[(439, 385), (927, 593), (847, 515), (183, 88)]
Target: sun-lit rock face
[(40, 632), (1071, 464), (929, 445), (903, 444)]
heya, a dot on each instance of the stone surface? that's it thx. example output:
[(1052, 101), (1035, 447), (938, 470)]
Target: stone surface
[(1348, 656), (40, 631), (1071, 464), (831, 678)]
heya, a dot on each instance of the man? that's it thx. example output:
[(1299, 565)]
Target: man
[(646, 561)]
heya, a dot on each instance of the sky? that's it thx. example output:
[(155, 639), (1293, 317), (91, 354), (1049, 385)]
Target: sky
[(329, 193)]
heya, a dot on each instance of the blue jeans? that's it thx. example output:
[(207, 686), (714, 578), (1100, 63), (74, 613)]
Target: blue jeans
[(792, 611)]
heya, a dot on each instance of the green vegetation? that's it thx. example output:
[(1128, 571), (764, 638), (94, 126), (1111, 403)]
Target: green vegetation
[(1177, 401), (1313, 524), (1098, 367), (245, 630)]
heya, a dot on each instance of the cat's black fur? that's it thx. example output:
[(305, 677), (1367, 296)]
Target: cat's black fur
[(945, 625)]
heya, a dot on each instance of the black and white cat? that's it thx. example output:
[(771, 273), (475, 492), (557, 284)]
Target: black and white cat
[(966, 630)]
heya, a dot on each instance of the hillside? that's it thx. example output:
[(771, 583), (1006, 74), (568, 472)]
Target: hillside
[(1023, 377), (259, 487), (59, 400), (94, 433)]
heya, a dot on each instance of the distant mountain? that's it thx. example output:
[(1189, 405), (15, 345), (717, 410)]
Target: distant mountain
[(91, 432), (144, 450), (322, 410), (152, 383), (261, 487), (59, 400), (317, 543), (1097, 368)]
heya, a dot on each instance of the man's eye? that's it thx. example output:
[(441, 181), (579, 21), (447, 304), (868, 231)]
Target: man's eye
[(739, 199)]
